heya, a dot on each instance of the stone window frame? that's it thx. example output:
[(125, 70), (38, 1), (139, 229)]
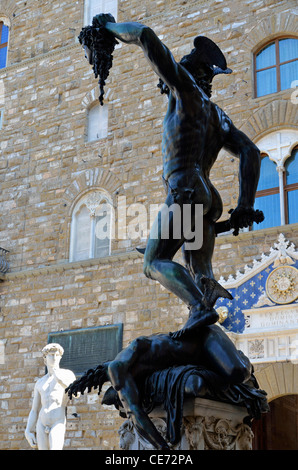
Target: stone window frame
[(276, 65), (92, 99), (4, 21), (83, 182), (92, 200), (103, 128), (280, 156)]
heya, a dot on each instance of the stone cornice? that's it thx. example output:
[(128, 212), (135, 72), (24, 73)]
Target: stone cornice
[(67, 266), (38, 58)]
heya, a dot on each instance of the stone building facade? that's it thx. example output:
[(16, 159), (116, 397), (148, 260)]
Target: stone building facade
[(48, 164)]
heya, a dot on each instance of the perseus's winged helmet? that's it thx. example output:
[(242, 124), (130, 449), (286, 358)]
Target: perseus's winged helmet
[(206, 59), (204, 62)]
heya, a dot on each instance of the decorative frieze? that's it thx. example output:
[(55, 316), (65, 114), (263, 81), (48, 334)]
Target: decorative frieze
[(269, 347), (207, 425)]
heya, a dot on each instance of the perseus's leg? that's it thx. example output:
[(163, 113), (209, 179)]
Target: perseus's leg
[(199, 265), (199, 262), (159, 254)]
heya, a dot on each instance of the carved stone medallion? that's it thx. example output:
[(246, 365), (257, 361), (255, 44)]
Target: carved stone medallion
[(282, 285)]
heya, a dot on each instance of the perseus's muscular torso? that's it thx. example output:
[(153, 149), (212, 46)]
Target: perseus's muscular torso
[(193, 134)]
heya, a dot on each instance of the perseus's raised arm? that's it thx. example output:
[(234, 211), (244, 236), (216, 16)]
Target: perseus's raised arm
[(158, 55)]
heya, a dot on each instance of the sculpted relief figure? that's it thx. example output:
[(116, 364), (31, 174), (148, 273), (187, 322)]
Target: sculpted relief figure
[(47, 419)]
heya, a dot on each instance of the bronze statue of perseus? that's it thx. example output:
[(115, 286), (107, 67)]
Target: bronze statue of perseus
[(194, 131), (200, 356)]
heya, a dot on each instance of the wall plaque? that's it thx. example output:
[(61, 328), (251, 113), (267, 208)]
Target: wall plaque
[(272, 318), (86, 348)]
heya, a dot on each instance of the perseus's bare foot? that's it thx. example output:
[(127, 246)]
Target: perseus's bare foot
[(198, 318), (212, 291)]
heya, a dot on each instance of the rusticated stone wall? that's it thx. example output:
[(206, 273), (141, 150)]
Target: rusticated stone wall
[(46, 164)]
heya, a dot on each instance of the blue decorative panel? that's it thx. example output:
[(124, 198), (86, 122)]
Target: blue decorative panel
[(250, 291)]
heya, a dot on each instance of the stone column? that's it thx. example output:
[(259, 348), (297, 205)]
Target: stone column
[(207, 425)]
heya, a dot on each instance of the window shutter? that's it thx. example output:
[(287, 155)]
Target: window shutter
[(92, 220), (97, 122), (82, 234), (102, 243), (96, 7)]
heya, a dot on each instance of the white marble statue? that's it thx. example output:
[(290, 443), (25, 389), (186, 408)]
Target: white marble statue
[(47, 419)]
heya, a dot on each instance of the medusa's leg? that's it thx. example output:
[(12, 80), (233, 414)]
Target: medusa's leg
[(122, 380)]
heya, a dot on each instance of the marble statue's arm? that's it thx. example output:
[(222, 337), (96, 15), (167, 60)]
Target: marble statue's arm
[(32, 419), (159, 56), (64, 377)]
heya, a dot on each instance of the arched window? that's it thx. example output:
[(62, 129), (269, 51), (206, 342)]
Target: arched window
[(97, 122), (276, 66), (4, 33), (291, 187), (94, 7), (277, 194), (267, 196), (91, 227)]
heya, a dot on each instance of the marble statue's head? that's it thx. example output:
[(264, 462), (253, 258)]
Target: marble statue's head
[(52, 351)]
